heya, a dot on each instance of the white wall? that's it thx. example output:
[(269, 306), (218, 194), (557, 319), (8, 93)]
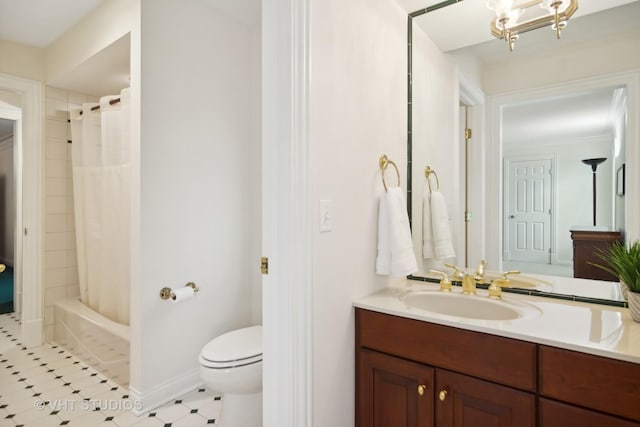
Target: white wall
[(7, 197), (196, 188), (435, 142), (22, 60), (562, 63), (254, 168), (358, 112)]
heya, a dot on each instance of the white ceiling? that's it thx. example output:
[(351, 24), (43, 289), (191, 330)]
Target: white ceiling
[(40, 22), (561, 118)]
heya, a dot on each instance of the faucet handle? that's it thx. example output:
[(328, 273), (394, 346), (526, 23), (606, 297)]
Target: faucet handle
[(457, 272), (495, 289), (507, 273), (445, 283)]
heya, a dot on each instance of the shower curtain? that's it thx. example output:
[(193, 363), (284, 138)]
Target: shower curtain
[(101, 160)]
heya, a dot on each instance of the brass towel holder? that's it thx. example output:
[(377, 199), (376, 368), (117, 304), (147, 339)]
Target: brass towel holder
[(427, 174), (383, 163)]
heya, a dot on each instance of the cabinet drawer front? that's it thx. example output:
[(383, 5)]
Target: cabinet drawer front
[(600, 383), (502, 360), (556, 414)]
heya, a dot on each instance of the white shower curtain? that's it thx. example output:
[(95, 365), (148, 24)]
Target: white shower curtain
[(101, 158)]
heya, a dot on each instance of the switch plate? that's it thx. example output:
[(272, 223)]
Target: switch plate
[(326, 215)]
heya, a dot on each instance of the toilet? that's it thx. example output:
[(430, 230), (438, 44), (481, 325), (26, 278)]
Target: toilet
[(231, 364)]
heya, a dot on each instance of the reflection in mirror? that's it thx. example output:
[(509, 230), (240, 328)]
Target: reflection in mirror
[(537, 113)]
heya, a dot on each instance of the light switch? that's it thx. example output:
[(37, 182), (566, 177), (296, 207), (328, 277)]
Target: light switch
[(326, 215)]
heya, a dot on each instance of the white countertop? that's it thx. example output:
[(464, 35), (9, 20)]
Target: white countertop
[(589, 328)]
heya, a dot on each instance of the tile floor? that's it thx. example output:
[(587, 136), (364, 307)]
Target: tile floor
[(48, 386)]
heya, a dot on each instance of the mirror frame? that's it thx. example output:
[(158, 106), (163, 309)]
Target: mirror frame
[(630, 153)]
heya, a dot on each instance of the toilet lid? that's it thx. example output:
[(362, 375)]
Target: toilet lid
[(238, 345)]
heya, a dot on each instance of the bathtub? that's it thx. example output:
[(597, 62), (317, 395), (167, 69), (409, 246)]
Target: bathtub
[(100, 342)]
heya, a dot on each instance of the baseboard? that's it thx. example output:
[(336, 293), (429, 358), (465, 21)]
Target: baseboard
[(32, 332), (164, 392)]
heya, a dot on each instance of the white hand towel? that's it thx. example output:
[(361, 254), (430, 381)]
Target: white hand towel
[(395, 248), (442, 243), (427, 230)]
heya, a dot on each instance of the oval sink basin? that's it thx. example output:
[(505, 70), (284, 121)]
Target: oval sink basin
[(468, 306)]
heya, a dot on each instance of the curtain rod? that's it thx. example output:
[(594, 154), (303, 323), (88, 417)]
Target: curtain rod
[(111, 102), (96, 108)]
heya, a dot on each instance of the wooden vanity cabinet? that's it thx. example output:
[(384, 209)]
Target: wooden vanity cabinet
[(487, 380), (463, 387)]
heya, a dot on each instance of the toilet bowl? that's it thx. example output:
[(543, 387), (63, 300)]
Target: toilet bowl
[(231, 364)]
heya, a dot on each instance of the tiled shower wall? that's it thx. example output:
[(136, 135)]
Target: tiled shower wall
[(60, 262)]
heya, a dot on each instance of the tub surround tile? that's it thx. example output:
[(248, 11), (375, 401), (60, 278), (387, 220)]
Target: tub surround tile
[(55, 205), (59, 185)]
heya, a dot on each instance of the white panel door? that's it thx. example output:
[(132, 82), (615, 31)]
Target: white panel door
[(528, 213)]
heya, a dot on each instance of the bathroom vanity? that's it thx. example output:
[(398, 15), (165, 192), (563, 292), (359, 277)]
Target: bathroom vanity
[(417, 368)]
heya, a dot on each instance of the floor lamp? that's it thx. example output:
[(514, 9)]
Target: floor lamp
[(594, 165)]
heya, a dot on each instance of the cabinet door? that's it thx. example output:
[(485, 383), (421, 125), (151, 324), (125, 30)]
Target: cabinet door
[(463, 401), (393, 392)]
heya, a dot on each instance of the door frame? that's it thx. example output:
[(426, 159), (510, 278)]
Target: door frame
[(287, 289), (29, 204), (473, 98), (552, 203)]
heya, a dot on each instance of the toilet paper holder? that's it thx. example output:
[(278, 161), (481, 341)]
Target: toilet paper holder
[(167, 293)]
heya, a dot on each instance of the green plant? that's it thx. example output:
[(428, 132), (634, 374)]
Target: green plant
[(623, 262)]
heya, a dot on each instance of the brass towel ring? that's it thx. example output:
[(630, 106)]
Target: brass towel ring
[(384, 162), (427, 173)]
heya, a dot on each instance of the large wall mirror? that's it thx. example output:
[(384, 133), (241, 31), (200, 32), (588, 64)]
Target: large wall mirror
[(545, 108)]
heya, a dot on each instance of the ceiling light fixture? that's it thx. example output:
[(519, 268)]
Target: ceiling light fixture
[(514, 17)]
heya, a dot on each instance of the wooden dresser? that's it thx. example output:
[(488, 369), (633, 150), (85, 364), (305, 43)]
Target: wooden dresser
[(586, 241)]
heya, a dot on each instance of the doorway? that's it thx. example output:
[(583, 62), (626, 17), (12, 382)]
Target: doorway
[(9, 289), (528, 212), (25, 108)]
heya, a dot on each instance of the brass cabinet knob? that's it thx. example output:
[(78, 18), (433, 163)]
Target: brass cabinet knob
[(421, 389), (442, 395)]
